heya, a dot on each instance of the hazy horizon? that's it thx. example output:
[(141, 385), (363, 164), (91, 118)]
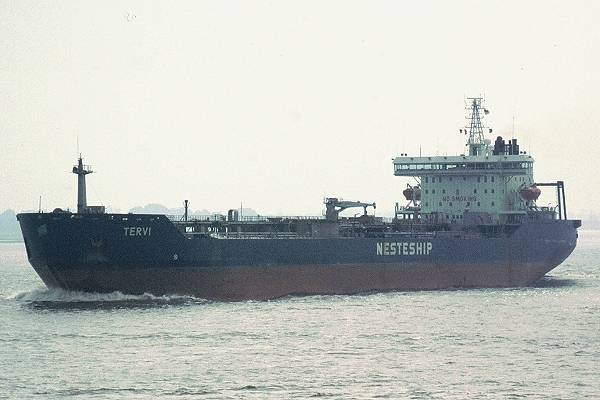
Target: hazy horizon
[(278, 105)]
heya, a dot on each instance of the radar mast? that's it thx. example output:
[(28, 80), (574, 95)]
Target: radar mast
[(81, 171), (476, 142)]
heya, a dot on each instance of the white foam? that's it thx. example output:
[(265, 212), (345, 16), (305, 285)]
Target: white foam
[(56, 295)]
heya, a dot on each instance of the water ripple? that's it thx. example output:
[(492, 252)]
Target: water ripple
[(538, 342)]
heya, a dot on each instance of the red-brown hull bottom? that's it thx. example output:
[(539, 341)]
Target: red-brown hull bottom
[(239, 283)]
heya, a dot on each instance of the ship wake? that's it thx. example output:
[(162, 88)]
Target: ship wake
[(56, 298)]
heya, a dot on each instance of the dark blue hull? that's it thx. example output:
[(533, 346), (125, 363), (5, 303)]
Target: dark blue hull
[(147, 253)]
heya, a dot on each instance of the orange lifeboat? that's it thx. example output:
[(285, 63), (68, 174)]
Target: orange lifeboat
[(412, 193), (530, 193)]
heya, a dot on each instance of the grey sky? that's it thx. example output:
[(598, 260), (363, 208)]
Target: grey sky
[(280, 103)]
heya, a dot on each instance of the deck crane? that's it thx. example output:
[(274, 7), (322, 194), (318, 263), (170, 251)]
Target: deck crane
[(335, 206)]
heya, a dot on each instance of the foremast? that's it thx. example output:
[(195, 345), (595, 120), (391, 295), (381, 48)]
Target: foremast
[(81, 171)]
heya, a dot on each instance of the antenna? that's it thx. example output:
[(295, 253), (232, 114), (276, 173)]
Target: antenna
[(40, 205), (513, 127)]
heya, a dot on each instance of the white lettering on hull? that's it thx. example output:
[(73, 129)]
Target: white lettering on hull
[(137, 231), (404, 248)]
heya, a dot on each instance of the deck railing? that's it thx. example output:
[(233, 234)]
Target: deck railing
[(197, 218), (259, 235), (250, 218)]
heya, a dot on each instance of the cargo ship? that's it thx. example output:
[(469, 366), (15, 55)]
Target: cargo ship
[(469, 221)]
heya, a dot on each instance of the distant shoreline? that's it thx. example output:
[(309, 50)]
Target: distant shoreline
[(2, 241), (590, 225)]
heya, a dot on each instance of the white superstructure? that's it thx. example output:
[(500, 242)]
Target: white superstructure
[(486, 183)]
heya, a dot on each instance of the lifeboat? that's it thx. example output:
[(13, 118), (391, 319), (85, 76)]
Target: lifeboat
[(530, 193), (412, 193)]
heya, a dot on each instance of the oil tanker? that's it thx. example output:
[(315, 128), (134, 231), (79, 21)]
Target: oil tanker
[(471, 220)]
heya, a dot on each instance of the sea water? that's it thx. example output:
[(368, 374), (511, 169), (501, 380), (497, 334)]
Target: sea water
[(539, 342)]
